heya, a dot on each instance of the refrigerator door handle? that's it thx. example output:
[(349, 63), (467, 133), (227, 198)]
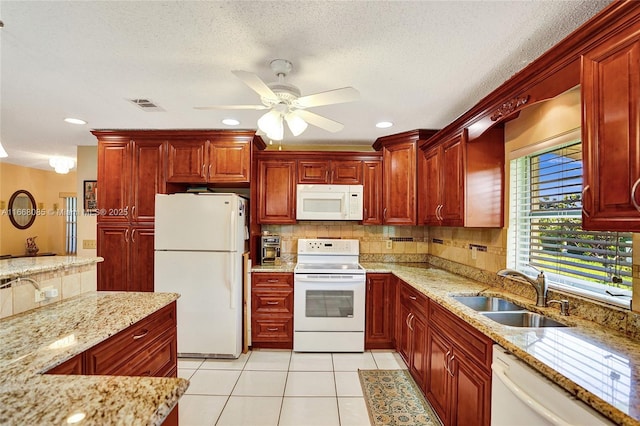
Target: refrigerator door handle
[(232, 280)]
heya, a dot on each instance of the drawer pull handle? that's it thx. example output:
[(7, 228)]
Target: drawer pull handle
[(146, 373), (586, 204), (272, 280), (633, 195), (413, 298), (270, 302), (272, 329), (141, 335)]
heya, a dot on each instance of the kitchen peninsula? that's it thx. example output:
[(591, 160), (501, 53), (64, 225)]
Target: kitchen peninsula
[(96, 348)]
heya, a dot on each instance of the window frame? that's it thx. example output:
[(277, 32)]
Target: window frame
[(555, 281)]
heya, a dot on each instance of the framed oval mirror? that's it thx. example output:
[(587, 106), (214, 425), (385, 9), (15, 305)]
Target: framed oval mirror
[(22, 209)]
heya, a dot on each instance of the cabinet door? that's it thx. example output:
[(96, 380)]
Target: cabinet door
[(470, 393), (611, 150), (438, 379), (276, 191), (430, 186), (314, 171), (229, 161), (452, 187), (419, 349), (346, 172), (403, 340), (141, 259), (372, 197), (186, 161), (399, 184), (380, 301), (148, 178), (114, 178), (113, 246)]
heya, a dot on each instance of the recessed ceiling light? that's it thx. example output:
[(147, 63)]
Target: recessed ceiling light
[(384, 124), (230, 122), (74, 121)]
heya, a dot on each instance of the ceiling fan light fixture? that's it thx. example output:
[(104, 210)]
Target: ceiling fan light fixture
[(296, 124), (271, 124)]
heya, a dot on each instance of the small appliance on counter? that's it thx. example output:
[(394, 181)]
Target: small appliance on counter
[(270, 250)]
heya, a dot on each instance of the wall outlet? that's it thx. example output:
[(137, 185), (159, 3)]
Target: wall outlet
[(46, 293), (89, 244), (389, 244), (39, 296), (474, 253)]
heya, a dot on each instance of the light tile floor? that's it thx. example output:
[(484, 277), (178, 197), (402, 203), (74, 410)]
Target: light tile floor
[(275, 387)]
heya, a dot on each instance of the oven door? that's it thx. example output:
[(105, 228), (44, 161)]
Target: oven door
[(329, 302)]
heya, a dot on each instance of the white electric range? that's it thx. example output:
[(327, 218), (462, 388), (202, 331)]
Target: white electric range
[(329, 297)]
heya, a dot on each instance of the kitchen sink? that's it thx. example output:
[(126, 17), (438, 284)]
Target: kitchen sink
[(488, 303), (522, 319)]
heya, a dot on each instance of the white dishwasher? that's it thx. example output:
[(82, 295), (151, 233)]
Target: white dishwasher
[(522, 396)]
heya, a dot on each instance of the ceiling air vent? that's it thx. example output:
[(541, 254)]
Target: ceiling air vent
[(146, 105)]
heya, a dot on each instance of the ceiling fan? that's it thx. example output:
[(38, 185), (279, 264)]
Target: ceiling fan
[(285, 102)]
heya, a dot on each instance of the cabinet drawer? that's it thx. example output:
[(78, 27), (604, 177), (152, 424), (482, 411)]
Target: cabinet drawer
[(107, 357), (272, 301), (413, 299), (271, 280), (272, 329), (158, 359), (473, 343)]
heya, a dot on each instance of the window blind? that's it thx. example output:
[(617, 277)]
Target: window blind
[(546, 226)]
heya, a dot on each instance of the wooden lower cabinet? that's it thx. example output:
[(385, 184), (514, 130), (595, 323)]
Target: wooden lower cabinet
[(379, 311), (272, 310), (458, 379), (412, 331), (146, 348)]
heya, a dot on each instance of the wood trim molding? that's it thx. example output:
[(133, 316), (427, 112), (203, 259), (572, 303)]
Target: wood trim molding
[(509, 107)]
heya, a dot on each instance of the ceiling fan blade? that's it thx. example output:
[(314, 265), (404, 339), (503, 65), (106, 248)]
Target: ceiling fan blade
[(256, 107), (337, 96), (319, 121), (255, 83)]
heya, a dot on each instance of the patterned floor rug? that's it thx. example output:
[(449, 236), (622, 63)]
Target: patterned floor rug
[(393, 398)]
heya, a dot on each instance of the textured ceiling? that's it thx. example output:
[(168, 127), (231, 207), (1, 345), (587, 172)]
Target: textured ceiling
[(419, 64)]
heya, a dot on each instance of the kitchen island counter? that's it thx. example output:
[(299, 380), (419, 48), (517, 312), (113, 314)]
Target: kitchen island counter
[(598, 365), (38, 340)]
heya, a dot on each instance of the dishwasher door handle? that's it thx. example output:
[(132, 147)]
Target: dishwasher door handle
[(523, 396)]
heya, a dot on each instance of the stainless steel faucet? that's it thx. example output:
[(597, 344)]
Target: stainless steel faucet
[(540, 283)]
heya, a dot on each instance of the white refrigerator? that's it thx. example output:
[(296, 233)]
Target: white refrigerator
[(199, 242)]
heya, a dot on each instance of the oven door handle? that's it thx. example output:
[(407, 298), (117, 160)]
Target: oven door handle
[(326, 279)]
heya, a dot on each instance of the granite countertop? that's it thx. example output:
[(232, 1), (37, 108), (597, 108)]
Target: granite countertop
[(283, 267), (598, 365), (24, 266), (35, 341)]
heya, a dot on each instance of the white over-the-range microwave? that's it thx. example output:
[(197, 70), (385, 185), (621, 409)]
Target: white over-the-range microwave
[(329, 202)]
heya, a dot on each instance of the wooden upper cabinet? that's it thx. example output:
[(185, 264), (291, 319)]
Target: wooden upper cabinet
[(229, 161), (217, 159), (186, 160), (372, 197), (442, 183), (339, 172), (276, 191), (114, 181), (148, 178), (429, 186), (611, 125), (461, 182), (310, 171), (399, 180), (399, 177)]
